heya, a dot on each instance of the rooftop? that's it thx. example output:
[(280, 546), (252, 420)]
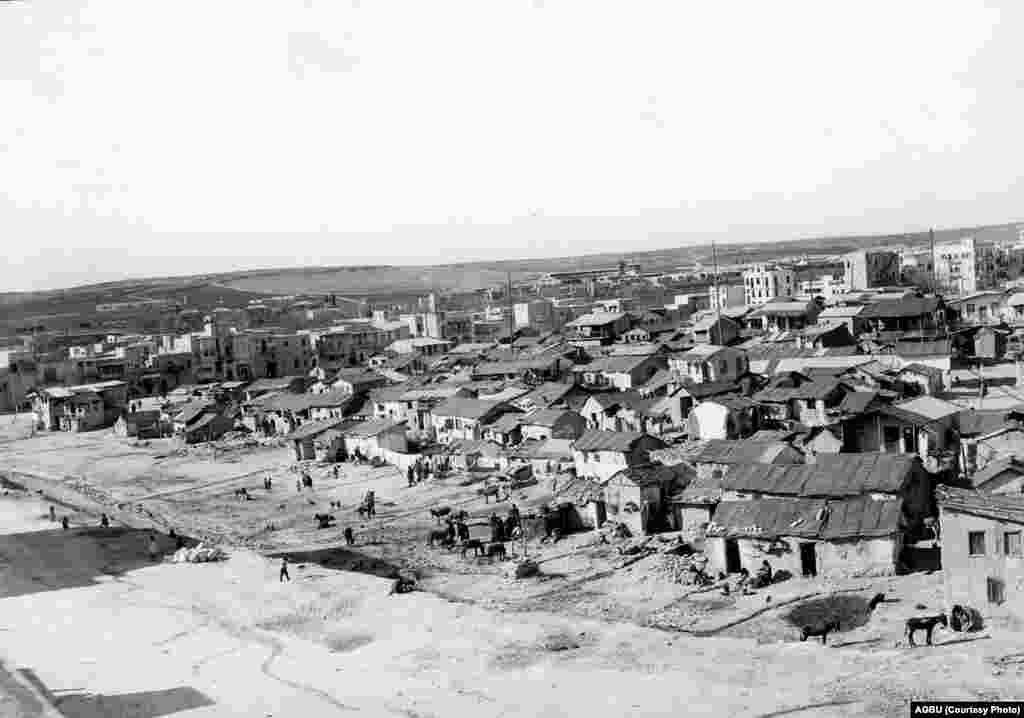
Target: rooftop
[(598, 319), (1009, 509), (621, 441), (830, 475), (740, 451)]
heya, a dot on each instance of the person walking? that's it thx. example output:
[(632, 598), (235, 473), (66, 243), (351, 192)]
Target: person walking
[(53, 514), (350, 538), (64, 523), (284, 570), (154, 550)]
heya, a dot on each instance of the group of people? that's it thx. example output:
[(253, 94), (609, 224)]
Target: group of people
[(507, 529), (268, 483), (418, 472), (305, 482), (746, 583)]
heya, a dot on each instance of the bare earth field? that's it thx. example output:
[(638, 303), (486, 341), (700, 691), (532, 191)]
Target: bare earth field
[(109, 633)]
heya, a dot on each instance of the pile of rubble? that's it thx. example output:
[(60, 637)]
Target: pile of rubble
[(199, 554), (679, 569)]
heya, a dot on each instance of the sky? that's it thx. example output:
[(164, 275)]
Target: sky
[(141, 139)]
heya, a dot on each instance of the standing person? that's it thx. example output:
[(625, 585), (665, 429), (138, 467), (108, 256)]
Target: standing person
[(64, 523), (350, 538), (53, 514), (298, 485), (284, 570), (154, 550), (104, 521), (514, 515), (409, 475)]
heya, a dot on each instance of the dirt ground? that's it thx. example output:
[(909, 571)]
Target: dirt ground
[(585, 613)]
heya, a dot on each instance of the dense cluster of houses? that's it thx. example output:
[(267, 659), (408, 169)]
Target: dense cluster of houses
[(815, 433)]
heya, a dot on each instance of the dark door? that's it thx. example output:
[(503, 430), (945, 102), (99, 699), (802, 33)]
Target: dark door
[(600, 514), (732, 556), (808, 560)]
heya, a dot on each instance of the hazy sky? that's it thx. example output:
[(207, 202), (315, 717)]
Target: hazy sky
[(147, 138)]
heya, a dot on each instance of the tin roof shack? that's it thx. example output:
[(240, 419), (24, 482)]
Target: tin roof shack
[(293, 384), (982, 556), (727, 417), (825, 336), (906, 314), (553, 424), (544, 396), (691, 509), (636, 496), (786, 314), (921, 379), (716, 458), (303, 438), (82, 411), (1002, 476), (987, 436), (376, 438), (459, 418), (533, 370), (505, 430), (710, 363), (601, 454), (842, 515), (715, 329), (477, 454), (418, 404), (811, 403), (548, 458), (139, 424), (353, 381), (622, 373), (924, 426), (598, 329), (210, 426), (848, 316)]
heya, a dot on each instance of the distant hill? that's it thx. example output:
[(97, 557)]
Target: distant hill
[(238, 288)]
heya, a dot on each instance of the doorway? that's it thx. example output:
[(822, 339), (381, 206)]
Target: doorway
[(732, 556), (808, 560), (600, 514)]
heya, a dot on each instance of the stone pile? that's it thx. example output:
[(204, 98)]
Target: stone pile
[(199, 554)]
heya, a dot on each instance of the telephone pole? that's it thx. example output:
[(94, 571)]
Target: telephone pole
[(931, 241), (508, 302), (718, 298)]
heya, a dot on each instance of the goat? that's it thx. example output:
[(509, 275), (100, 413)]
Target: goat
[(497, 549), (822, 630), (476, 545), (440, 513), (926, 624)]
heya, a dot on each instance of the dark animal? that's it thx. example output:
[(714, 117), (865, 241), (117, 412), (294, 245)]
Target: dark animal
[(463, 531), (926, 624), (823, 631), (475, 545), (875, 600), (440, 536), (461, 515), (497, 549), (440, 513)]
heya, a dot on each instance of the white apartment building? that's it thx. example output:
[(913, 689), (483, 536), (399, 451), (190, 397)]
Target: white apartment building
[(825, 286), (867, 269), (764, 282)]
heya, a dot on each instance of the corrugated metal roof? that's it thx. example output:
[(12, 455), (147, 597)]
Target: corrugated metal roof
[(857, 402), (313, 428), (706, 490), (371, 428), (656, 474), (595, 440), (929, 407), (830, 475), (768, 518), (978, 503), (863, 517), (819, 388), (740, 451), (546, 417), (973, 422), (906, 307), (466, 408), (547, 449)]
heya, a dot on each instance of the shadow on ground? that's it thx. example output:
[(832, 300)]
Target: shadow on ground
[(342, 559), (144, 704), (851, 611), (38, 561)]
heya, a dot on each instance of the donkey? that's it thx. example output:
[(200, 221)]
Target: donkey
[(821, 630), (440, 536), (926, 624), (497, 549)]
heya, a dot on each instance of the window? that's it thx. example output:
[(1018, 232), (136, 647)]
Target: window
[(976, 543), (996, 590), (1011, 543)]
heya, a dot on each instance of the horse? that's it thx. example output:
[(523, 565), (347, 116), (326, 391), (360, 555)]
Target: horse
[(476, 545), (440, 513), (497, 549), (926, 624), (822, 630)]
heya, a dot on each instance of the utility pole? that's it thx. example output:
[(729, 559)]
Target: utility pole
[(931, 241), (508, 302), (718, 298)]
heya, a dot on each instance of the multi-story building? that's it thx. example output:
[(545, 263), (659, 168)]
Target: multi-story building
[(826, 286), (870, 268), (539, 313), (764, 282), (724, 296), (965, 267), (353, 342)]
